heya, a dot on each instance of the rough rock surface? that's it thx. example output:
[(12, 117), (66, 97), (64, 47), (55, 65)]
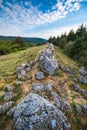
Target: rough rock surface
[(39, 75), (75, 87), (67, 70), (47, 61), (36, 113), (24, 69), (83, 92), (82, 79), (8, 96), (82, 70), (38, 87), (5, 106)]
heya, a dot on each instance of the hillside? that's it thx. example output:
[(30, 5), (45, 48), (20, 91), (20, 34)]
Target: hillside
[(25, 39), (62, 81)]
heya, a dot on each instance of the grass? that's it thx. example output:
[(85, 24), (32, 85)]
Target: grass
[(64, 60), (8, 63)]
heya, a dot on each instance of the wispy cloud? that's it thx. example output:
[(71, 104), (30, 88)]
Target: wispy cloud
[(15, 18), (52, 32)]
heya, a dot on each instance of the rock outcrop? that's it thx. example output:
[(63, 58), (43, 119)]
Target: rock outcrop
[(47, 61), (39, 75), (37, 113), (82, 70), (5, 106)]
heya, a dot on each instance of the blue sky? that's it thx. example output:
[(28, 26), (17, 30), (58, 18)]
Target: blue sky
[(41, 18)]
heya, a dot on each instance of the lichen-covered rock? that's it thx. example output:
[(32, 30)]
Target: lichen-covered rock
[(39, 75), (38, 87), (82, 79), (36, 113), (48, 87), (65, 105), (82, 70), (67, 70), (83, 92), (56, 100), (75, 87), (84, 108), (78, 108), (24, 69), (5, 106), (8, 96), (47, 62)]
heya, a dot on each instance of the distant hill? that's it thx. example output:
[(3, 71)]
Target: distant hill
[(25, 39)]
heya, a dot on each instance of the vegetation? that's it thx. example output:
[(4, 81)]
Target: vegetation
[(13, 46), (73, 44)]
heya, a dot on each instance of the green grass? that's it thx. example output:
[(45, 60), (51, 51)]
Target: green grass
[(8, 63)]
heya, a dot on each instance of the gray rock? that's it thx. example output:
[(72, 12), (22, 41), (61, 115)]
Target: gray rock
[(24, 69), (82, 79), (75, 87), (48, 87), (67, 70), (67, 126), (4, 107), (8, 96), (39, 75), (83, 92), (78, 108), (50, 46), (47, 62), (56, 100), (38, 87), (84, 108), (36, 113), (82, 70), (65, 105)]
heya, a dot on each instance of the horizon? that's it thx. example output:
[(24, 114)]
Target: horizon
[(41, 19)]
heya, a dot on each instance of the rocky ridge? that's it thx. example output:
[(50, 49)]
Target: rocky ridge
[(37, 111)]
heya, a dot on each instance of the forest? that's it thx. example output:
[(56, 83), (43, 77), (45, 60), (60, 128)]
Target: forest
[(73, 44)]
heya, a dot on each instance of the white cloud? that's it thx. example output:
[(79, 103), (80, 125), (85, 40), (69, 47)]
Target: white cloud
[(52, 32), (16, 18)]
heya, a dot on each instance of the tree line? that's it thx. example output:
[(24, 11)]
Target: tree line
[(9, 46), (73, 44)]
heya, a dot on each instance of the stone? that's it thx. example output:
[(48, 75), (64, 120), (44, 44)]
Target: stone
[(56, 100), (47, 62), (48, 87), (8, 96), (38, 87), (65, 105), (36, 113), (83, 92), (75, 87), (82, 70), (39, 75), (78, 108), (5, 106), (67, 70), (82, 79), (84, 108)]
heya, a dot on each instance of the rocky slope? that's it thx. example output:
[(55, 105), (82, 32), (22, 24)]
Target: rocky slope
[(52, 94)]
